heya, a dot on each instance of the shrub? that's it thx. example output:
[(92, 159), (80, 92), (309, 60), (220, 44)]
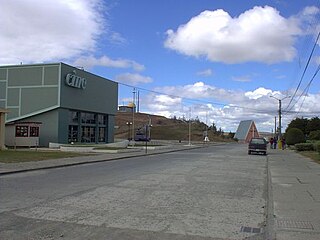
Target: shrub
[(316, 146), (314, 135), (304, 147), (294, 135)]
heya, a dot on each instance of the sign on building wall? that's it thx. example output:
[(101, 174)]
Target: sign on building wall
[(72, 80)]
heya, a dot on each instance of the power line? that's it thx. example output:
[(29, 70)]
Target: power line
[(306, 47), (306, 90), (201, 101), (304, 71)]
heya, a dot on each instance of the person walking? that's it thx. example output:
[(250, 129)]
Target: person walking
[(275, 140), (283, 141), (271, 143)]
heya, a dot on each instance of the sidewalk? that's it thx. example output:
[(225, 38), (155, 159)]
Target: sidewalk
[(8, 168), (296, 195)]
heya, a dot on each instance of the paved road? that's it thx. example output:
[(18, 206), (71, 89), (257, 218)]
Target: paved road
[(217, 192)]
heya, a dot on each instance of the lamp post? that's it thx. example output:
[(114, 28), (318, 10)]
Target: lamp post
[(190, 127), (133, 110), (280, 100), (129, 124), (149, 128)]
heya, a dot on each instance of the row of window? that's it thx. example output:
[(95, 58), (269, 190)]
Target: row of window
[(81, 127), (87, 118), (27, 131), (88, 134)]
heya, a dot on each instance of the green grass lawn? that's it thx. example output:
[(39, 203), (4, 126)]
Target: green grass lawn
[(311, 154), (12, 156)]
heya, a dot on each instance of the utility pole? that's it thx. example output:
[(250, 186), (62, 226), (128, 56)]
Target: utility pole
[(275, 126), (280, 100), (190, 127), (138, 103), (280, 119), (133, 110)]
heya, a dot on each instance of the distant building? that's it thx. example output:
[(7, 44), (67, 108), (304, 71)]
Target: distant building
[(246, 131), (129, 108)]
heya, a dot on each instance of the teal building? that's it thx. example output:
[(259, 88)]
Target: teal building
[(71, 105)]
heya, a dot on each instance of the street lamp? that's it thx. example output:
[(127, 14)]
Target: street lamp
[(149, 128), (280, 112), (129, 124)]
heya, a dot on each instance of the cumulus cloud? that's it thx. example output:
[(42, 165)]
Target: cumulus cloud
[(260, 34), (199, 90), (133, 78), (226, 108), (34, 31), (205, 73), (260, 92), (90, 61)]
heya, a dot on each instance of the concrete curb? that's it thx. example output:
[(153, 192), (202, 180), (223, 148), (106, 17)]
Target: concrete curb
[(270, 219), (96, 161)]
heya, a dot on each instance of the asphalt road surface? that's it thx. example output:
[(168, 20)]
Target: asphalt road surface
[(218, 192)]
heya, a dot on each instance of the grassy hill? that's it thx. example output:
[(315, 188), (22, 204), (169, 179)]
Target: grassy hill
[(163, 128)]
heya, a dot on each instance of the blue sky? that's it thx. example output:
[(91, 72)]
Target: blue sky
[(221, 59)]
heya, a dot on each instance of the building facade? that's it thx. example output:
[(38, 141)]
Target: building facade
[(71, 104)]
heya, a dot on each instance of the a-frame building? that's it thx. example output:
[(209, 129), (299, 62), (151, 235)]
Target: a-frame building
[(246, 131)]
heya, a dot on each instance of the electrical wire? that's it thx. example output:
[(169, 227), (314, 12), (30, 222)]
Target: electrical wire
[(306, 90), (202, 101), (304, 71)]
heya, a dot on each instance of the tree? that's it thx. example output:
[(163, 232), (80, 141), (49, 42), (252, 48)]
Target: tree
[(231, 135), (294, 135), (214, 128), (313, 125), (314, 135), (300, 123)]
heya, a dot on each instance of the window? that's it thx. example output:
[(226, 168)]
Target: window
[(73, 134), (73, 117), (88, 134), (88, 118), (34, 131), (257, 141), (102, 119), (22, 131), (102, 135)]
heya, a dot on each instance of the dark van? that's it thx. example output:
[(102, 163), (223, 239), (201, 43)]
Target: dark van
[(257, 145)]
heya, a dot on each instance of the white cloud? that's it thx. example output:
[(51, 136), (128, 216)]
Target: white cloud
[(133, 78), (116, 38), (242, 79), (205, 73), (236, 105), (281, 77), (37, 31), (199, 90), (260, 34), (90, 61), (260, 92), (310, 11)]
